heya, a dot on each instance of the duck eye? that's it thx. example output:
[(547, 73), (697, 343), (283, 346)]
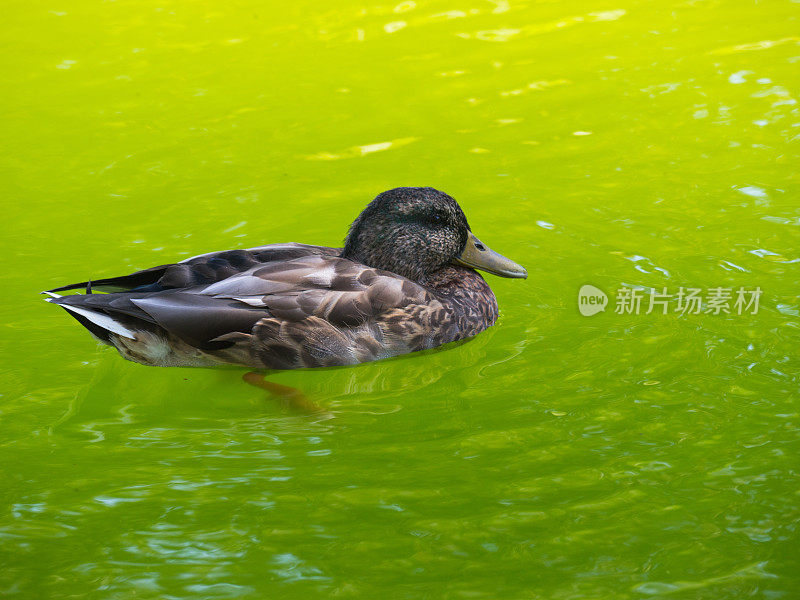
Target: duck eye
[(436, 218)]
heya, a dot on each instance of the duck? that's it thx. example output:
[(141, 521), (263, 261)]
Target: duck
[(405, 280)]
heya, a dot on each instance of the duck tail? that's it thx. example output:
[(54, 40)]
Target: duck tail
[(146, 280), (101, 323)]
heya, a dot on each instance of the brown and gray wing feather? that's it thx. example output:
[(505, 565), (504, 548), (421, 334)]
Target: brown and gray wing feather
[(201, 270), (328, 311)]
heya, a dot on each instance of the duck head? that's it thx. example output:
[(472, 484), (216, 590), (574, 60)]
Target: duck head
[(414, 232)]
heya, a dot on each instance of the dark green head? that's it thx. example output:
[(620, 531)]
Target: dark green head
[(415, 232)]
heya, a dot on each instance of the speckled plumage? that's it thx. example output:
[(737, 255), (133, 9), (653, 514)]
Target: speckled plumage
[(287, 306)]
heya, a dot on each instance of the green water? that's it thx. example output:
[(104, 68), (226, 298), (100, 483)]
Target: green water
[(555, 456)]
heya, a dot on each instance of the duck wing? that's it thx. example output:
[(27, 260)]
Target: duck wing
[(199, 270), (342, 292), (330, 311)]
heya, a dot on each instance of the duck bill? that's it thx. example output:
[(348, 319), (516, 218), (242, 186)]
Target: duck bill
[(478, 255)]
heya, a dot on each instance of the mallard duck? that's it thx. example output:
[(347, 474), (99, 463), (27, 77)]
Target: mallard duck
[(404, 281)]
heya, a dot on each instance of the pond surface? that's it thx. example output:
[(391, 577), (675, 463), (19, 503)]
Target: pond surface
[(644, 145)]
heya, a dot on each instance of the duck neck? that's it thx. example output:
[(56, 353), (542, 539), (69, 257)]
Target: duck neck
[(470, 298)]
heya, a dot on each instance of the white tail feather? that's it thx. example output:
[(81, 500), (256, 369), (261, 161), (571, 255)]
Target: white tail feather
[(101, 320)]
